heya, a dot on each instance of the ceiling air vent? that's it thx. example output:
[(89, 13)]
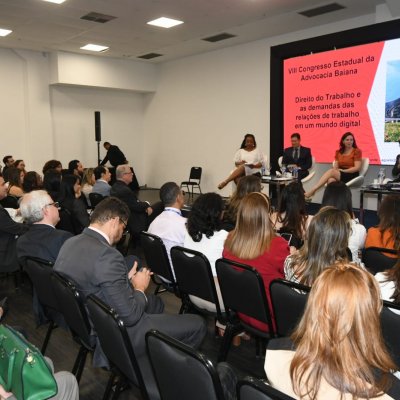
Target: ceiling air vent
[(314, 12), (97, 17), (149, 56), (219, 37)]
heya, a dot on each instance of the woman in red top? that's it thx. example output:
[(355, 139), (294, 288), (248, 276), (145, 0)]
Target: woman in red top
[(347, 164), (254, 242)]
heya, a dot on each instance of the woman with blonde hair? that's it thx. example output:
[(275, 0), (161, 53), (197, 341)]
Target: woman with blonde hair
[(254, 242), (326, 242), (337, 350), (88, 180)]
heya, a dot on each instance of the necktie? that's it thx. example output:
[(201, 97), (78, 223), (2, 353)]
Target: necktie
[(296, 154)]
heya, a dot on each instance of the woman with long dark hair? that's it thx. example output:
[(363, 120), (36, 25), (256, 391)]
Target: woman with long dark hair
[(346, 166), (248, 161), (15, 179), (337, 350)]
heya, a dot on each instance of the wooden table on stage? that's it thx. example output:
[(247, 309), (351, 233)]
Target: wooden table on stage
[(277, 182), (377, 190)]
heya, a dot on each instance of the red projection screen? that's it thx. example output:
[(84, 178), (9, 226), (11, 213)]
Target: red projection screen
[(355, 89)]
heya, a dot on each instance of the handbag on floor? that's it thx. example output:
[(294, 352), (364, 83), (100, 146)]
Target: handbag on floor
[(23, 369)]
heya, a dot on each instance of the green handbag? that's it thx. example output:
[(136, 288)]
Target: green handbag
[(23, 369)]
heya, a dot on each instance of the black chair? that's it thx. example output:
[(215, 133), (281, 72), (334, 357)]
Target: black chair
[(243, 291), (390, 322), (71, 304), (117, 347), (194, 277), (157, 259), (10, 202), (288, 302), (95, 198), (375, 261), (180, 371), (45, 303), (253, 389), (194, 180)]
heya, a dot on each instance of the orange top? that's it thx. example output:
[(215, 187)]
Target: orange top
[(346, 161), (375, 239)]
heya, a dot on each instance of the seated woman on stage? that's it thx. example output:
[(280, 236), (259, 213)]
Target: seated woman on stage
[(337, 350), (254, 242), (291, 216), (346, 166), (387, 233), (245, 185), (326, 243), (248, 161)]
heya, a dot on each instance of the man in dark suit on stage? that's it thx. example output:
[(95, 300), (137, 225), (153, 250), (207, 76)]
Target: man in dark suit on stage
[(98, 268), (299, 156), (42, 240), (114, 155)]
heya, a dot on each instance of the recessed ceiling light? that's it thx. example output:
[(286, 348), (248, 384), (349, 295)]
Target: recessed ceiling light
[(94, 47), (55, 1), (165, 22), (4, 32)]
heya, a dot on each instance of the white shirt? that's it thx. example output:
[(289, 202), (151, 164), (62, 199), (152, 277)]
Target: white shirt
[(170, 226), (387, 288), (357, 239), (251, 157), (212, 248)]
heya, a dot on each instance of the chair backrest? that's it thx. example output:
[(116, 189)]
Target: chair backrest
[(243, 291), (95, 198), (115, 341), (156, 255), (375, 261), (288, 302), (40, 271), (71, 304), (194, 275), (253, 389), (364, 166), (180, 371), (195, 174), (390, 322)]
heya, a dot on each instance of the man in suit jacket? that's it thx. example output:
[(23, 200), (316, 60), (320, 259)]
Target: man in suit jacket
[(114, 155), (103, 177), (96, 267), (140, 210), (42, 240), (9, 231), (299, 156)]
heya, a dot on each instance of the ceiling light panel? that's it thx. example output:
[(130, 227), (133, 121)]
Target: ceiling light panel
[(55, 1), (94, 47), (4, 32), (165, 22)]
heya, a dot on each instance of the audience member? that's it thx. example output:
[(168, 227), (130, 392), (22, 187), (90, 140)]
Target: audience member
[(8, 162), (75, 167), (291, 216), (326, 243), (88, 181), (52, 183), (389, 283), (246, 184), (140, 210), (205, 234), (42, 240), (71, 200), (15, 181), (103, 177), (387, 233), (337, 350), (255, 243), (52, 165), (96, 267), (32, 181), (338, 195), (170, 225), (20, 164), (9, 231)]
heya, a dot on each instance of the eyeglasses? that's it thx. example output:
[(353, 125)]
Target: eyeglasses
[(56, 204), (124, 223), (128, 173)]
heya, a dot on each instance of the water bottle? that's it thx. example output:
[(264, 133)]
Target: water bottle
[(381, 176), (295, 172)]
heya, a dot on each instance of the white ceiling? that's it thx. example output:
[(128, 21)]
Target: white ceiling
[(43, 26)]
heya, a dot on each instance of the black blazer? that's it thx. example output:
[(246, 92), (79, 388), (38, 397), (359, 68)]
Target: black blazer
[(115, 156), (304, 161)]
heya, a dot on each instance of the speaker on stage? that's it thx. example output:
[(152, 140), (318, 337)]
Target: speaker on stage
[(97, 126)]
